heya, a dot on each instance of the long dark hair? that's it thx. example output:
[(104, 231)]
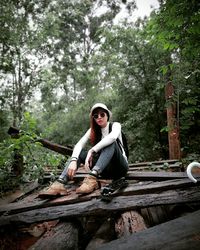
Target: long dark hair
[(95, 134)]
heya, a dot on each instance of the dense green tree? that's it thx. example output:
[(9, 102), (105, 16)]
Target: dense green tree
[(134, 69), (73, 55), (176, 28), (21, 58), (74, 46), (75, 33)]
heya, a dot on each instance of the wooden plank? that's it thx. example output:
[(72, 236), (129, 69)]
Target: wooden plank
[(137, 168), (157, 176), (171, 167), (132, 189), (142, 188), (134, 166), (98, 207), (148, 175), (146, 163), (139, 175), (182, 233), (38, 203)]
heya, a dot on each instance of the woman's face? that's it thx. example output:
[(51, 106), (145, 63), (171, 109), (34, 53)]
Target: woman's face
[(100, 117)]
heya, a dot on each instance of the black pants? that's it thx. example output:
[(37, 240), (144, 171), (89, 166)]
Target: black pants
[(109, 162)]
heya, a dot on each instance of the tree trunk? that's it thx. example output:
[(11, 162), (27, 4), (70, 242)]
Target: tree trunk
[(18, 162), (172, 123)]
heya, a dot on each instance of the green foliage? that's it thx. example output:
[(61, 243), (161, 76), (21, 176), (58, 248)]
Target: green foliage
[(134, 69), (75, 57), (176, 26), (35, 158)]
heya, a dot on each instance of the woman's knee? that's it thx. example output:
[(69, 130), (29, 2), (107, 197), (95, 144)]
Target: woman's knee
[(109, 148)]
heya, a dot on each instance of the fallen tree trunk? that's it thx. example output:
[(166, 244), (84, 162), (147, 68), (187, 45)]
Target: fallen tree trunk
[(132, 189), (47, 144), (182, 234), (56, 147), (98, 207), (64, 236)]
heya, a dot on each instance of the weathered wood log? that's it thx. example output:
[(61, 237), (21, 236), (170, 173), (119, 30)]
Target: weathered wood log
[(128, 223), (64, 236), (182, 233), (56, 147), (132, 189), (64, 150), (98, 207)]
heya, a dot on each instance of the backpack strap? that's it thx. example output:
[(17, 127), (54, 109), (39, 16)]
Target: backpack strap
[(118, 140)]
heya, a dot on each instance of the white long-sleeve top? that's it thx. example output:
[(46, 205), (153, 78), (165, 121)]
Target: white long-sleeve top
[(106, 139)]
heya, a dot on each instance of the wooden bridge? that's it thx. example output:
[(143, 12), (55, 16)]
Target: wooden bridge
[(158, 210)]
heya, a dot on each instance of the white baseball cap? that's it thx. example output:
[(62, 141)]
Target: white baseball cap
[(102, 106)]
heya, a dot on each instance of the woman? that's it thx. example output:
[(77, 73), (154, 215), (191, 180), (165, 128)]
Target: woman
[(106, 158)]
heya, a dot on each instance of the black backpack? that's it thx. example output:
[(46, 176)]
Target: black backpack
[(124, 141)]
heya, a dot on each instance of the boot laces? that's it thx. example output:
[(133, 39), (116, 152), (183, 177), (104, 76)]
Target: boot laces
[(88, 180)]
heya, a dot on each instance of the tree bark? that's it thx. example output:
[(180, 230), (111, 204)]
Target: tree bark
[(99, 208), (128, 223), (172, 123)]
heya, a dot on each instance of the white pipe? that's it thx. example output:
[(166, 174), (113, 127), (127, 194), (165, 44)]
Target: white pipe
[(189, 170)]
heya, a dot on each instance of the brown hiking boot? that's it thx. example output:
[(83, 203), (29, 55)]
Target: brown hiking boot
[(56, 189), (88, 186)]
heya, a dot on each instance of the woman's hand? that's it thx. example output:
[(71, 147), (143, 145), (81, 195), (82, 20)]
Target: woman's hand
[(88, 160), (72, 169)]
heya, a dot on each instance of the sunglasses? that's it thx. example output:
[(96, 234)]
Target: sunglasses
[(102, 115)]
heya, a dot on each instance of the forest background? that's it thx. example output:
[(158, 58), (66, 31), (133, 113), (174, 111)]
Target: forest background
[(60, 57)]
